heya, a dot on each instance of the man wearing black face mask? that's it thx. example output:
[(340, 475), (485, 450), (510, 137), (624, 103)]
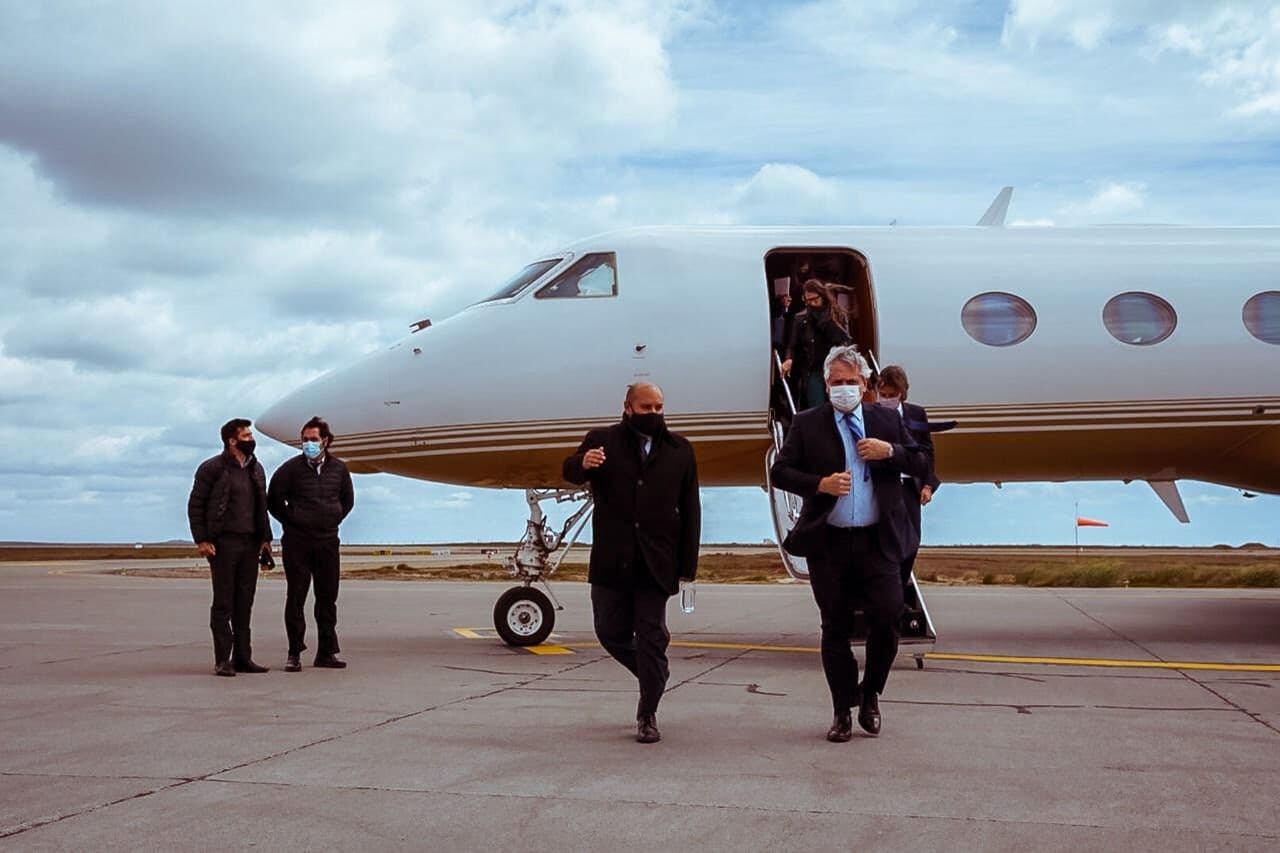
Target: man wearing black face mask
[(228, 514), (644, 480)]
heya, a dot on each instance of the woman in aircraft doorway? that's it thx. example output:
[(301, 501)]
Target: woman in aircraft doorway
[(819, 327)]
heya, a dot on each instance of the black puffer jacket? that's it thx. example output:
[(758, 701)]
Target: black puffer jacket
[(310, 504), (209, 495)]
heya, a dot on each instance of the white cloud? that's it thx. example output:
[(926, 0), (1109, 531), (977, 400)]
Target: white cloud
[(784, 193), (1235, 43), (206, 209), (1082, 22), (1112, 199), (452, 501), (912, 40)]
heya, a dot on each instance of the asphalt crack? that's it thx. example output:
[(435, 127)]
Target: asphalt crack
[(1231, 704), (208, 777)]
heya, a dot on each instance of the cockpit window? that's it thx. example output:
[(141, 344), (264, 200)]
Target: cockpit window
[(523, 279), (592, 275)]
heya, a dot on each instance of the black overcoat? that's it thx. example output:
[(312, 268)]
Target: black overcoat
[(647, 507)]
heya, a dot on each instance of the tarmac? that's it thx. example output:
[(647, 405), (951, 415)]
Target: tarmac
[(1059, 719)]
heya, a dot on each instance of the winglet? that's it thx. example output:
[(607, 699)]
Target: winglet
[(1167, 490), (994, 217)]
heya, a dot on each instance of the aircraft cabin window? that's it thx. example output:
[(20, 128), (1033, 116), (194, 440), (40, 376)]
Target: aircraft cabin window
[(593, 275), (1262, 316), (523, 279), (1139, 319), (998, 319)]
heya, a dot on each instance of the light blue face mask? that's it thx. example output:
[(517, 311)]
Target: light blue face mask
[(312, 449)]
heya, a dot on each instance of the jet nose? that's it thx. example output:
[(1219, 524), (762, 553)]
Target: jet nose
[(281, 420), (348, 398)]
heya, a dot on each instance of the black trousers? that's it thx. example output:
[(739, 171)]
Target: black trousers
[(851, 573), (631, 624), (234, 570), (307, 559)]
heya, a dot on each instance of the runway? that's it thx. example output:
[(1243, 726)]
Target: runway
[(1084, 719)]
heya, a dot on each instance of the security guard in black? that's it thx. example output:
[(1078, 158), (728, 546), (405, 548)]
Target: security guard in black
[(644, 480)]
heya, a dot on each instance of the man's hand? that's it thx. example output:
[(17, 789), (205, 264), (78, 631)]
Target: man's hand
[(926, 495), (786, 367), (839, 484), (873, 449), (266, 547), (593, 458), (206, 549)]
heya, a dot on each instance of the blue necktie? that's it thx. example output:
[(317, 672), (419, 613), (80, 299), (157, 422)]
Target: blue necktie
[(854, 429)]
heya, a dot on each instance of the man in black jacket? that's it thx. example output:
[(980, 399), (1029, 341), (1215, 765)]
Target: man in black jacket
[(644, 480), (310, 495), (892, 390), (846, 460), (228, 515)]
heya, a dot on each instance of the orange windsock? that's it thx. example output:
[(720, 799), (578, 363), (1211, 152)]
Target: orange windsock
[(1081, 521)]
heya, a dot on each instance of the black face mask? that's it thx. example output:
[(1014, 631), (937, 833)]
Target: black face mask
[(649, 424), (247, 447)]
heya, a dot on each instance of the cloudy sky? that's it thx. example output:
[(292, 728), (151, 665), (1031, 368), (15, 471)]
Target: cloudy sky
[(203, 207)]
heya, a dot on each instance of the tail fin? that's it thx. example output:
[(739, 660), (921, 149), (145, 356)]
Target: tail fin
[(994, 217)]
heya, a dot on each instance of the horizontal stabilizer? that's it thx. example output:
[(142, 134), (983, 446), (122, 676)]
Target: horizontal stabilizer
[(994, 217)]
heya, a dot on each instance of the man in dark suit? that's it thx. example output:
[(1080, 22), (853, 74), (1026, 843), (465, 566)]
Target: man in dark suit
[(645, 530), (892, 389), (847, 460)]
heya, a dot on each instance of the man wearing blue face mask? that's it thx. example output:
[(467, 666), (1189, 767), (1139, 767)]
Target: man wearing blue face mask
[(310, 495), (846, 460)]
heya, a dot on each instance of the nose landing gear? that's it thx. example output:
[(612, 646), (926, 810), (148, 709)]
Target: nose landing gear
[(523, 615)]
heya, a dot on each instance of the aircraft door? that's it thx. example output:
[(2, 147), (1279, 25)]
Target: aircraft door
[(795, 367)]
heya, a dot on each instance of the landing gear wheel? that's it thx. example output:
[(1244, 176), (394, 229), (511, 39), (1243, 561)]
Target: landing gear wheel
[(523, 616)]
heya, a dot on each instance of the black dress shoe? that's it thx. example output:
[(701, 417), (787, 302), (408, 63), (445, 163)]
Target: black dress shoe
[(330, 662), (293, 664), (869, 713), (841, 728), (249, 666), (647, 729), (225, 668)]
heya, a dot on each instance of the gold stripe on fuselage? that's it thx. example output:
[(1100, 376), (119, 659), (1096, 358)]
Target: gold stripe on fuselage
[(1134, 440)]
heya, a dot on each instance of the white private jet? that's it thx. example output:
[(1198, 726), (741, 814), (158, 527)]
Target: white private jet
[(1104, 353)]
